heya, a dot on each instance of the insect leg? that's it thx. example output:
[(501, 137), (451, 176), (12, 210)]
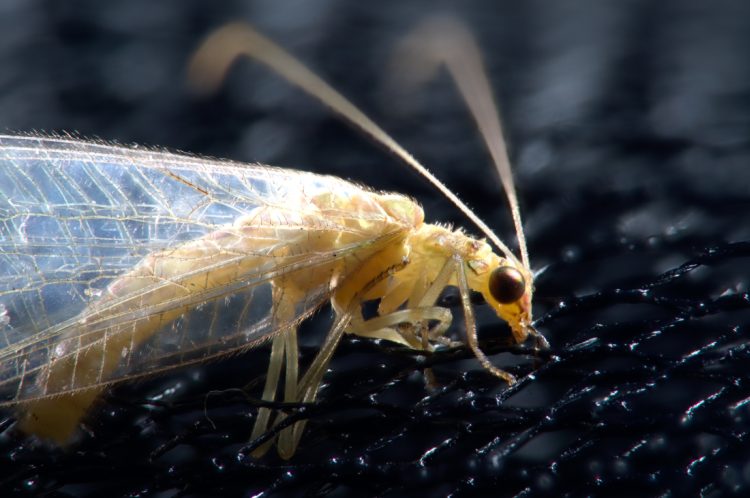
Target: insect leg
[(420, 308), (390, 326), (471, 325), (283, 355), (410, 326), (275, 364), (307, 389)]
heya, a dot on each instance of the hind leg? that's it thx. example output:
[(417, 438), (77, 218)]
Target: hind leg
[(284, 354), (308, 386), (307, 389)]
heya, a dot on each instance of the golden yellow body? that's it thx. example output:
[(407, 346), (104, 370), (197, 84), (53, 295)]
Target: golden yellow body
[(398, 259)]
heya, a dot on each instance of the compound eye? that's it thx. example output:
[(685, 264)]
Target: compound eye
[(507, 285)]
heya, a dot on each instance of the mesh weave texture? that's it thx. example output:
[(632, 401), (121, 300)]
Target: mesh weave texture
[(629, 128)]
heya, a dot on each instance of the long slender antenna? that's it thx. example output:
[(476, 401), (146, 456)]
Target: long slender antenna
[(212, 61), (444, 40)]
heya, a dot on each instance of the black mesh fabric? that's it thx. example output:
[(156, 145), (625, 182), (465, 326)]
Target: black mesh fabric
[(629, 129)]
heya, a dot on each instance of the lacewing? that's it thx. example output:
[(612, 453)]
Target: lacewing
[(118, 263)]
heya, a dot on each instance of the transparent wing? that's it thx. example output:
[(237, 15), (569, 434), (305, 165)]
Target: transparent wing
[(117, 263)]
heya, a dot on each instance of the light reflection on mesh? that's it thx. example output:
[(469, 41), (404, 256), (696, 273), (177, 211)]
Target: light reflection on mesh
[(646, 389), (654, 404)]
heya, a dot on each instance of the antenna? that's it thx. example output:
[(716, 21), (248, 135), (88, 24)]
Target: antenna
[(444, 40), (212, 61)]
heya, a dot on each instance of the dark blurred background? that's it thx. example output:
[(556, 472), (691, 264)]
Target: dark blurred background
[(629, 126)]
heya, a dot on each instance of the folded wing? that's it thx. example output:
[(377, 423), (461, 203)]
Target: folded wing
[(122, 262)]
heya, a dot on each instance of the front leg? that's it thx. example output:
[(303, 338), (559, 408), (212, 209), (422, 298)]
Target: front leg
[(409, 326)]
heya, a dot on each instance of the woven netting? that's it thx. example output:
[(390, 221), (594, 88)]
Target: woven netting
[(629, 128)]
